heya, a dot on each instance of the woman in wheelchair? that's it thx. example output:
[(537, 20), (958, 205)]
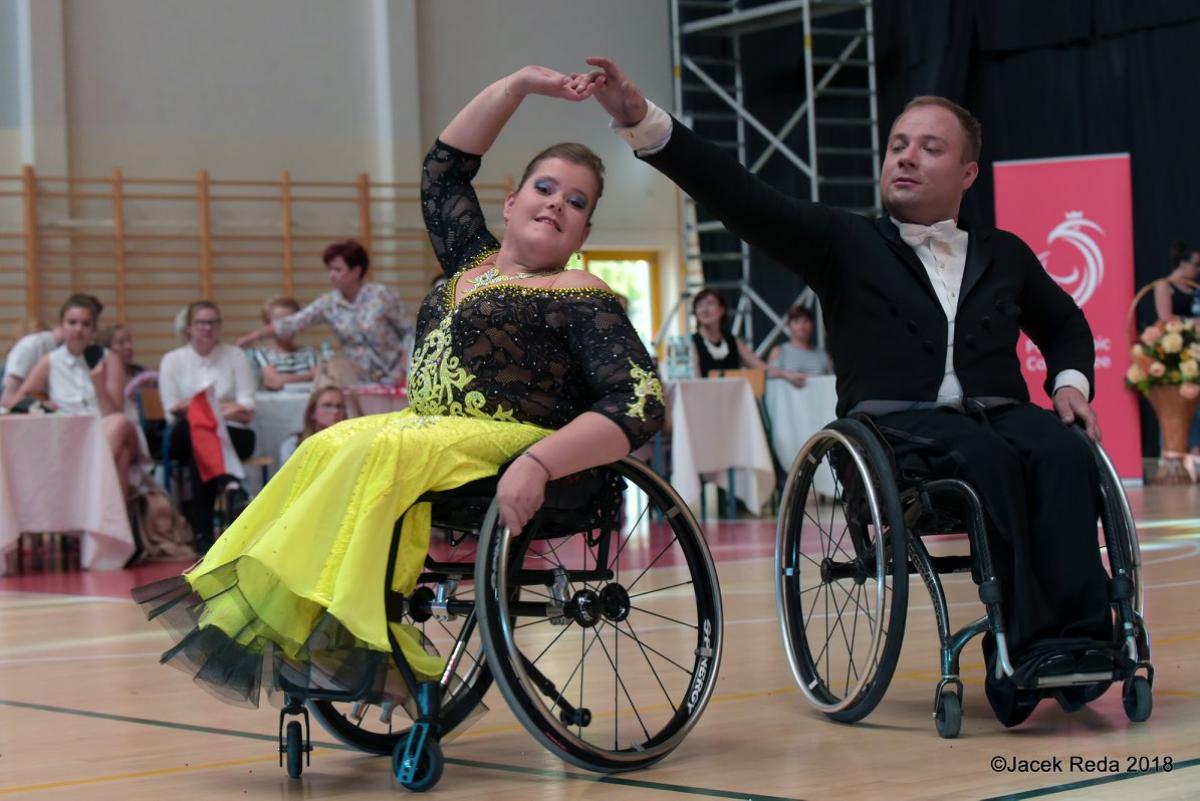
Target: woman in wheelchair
[(520, 363)]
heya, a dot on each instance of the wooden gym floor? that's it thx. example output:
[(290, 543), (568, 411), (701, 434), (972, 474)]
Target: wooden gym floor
[(85, 711)]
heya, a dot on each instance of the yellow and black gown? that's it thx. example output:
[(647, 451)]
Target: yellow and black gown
[(295, 585)]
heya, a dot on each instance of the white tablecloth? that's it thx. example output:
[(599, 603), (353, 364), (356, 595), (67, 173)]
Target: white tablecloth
[(277, 415), (796, 413), (57, 474), (715, 426)]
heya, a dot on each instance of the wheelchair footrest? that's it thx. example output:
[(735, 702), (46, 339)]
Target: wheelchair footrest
[(1071, 663)]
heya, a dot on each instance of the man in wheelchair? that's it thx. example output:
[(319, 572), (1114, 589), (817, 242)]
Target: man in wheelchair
[(923, 310)]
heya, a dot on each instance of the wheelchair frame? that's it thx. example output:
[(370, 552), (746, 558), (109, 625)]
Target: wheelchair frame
[(500, 573), (897, 514)]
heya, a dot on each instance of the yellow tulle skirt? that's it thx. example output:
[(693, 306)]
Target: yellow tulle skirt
[(310, 552)]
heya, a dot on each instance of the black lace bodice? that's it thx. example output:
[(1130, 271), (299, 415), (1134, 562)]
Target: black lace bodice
[(511, 352)]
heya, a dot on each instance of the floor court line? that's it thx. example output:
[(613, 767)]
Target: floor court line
[(472, 763), (1055, 789)]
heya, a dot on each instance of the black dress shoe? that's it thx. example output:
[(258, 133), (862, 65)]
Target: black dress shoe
[(1095, 660), (1056, 665)]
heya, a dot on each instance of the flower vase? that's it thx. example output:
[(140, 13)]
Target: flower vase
[(1175, 414)]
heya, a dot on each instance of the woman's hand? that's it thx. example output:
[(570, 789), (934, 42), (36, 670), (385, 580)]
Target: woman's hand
[(521, 491), (535, 80), (249, 339), (620, 97), (796, 379), (236, 412)]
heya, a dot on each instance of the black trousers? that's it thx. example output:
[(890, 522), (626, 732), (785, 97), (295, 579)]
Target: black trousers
[(1040, 489), (204, 493)]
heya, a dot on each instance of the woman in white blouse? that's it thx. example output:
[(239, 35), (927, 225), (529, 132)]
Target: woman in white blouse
[(187, 371), (73, 387)]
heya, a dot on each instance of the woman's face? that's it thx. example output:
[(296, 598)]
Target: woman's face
[(1191, 267), (709, 310), (122, 345), (79, 328), (548, 216), (330, 409), (801, 329), (204, 331), (343, 277)]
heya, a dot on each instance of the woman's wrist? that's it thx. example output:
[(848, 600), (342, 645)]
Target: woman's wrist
[(540, 464)]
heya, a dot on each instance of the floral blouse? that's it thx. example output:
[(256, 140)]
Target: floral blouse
[(373, 329), (509, 352)]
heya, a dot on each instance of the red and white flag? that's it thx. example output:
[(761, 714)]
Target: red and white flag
[(211, 445)]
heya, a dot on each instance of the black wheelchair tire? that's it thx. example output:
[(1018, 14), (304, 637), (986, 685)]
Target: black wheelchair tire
[(871, 687), (524, 700)]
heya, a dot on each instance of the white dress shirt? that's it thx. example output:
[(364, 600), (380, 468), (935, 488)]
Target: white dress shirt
[(942, 249), (25, 354), (69, 384), (184, 373)]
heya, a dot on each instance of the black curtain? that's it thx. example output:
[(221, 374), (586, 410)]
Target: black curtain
[(1046, 78)]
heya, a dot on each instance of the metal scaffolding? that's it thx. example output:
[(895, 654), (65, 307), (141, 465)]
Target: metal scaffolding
[(836, 152)]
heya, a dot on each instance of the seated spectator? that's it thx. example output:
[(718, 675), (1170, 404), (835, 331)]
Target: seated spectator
[(188, 371), (797, 355), (282, 362), (1175, 295), (119, 339), (25, 353), (326, 405), (368, 318), (715, 348), (79, 381)]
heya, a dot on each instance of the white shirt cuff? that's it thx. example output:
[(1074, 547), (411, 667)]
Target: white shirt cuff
[(650, 135), (1072, 378)]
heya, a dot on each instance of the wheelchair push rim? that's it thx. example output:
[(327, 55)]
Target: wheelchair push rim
[(827, 571), (637, 678)]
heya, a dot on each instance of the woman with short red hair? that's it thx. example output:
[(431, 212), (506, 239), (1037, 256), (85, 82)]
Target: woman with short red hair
[(370, 320)]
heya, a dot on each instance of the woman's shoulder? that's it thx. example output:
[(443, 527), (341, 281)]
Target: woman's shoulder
[(582, 279)]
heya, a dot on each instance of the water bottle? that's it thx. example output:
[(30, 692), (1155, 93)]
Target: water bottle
[(326, 350), (1196, 302)]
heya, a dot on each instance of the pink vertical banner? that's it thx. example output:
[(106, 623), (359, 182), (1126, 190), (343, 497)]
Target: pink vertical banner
[(1076, 214)]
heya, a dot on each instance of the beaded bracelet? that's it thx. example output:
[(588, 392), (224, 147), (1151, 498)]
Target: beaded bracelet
[(541, 464)]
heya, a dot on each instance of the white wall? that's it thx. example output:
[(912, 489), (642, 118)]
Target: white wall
[(167, 87)]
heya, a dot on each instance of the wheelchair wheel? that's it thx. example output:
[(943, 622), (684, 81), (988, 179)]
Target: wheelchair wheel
[(1120, 532), (369, 727), (841, 571), (604, 642)]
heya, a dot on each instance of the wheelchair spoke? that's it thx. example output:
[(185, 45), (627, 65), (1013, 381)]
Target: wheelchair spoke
[(674, 539), (563, 690), (532, 623), (865, 611), (619, 682), (557, 637), (849, 647), (664, 617), (644, 646), (687, 583), (650, 664), (616, 560)]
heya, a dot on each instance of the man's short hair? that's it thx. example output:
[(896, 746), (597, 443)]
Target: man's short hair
[(972, 128)]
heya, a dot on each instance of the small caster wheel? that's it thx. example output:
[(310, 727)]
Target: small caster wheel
[(295, 749), (1138, 700), (947, 716), (430, 764)]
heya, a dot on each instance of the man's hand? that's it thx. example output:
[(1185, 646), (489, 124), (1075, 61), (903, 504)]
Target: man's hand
[(271, 378), (521, 491), (615, 91), (1072, 406)]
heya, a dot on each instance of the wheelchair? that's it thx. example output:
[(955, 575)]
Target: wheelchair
[(848, 537), (601, 624)]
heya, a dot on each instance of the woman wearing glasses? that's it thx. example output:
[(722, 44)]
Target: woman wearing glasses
[(205, 361)]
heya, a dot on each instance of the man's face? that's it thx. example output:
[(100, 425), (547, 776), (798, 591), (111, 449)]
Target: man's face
[(924, 176)]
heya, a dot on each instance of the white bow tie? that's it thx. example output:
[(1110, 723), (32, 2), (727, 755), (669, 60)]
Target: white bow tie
[(916, 235)]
